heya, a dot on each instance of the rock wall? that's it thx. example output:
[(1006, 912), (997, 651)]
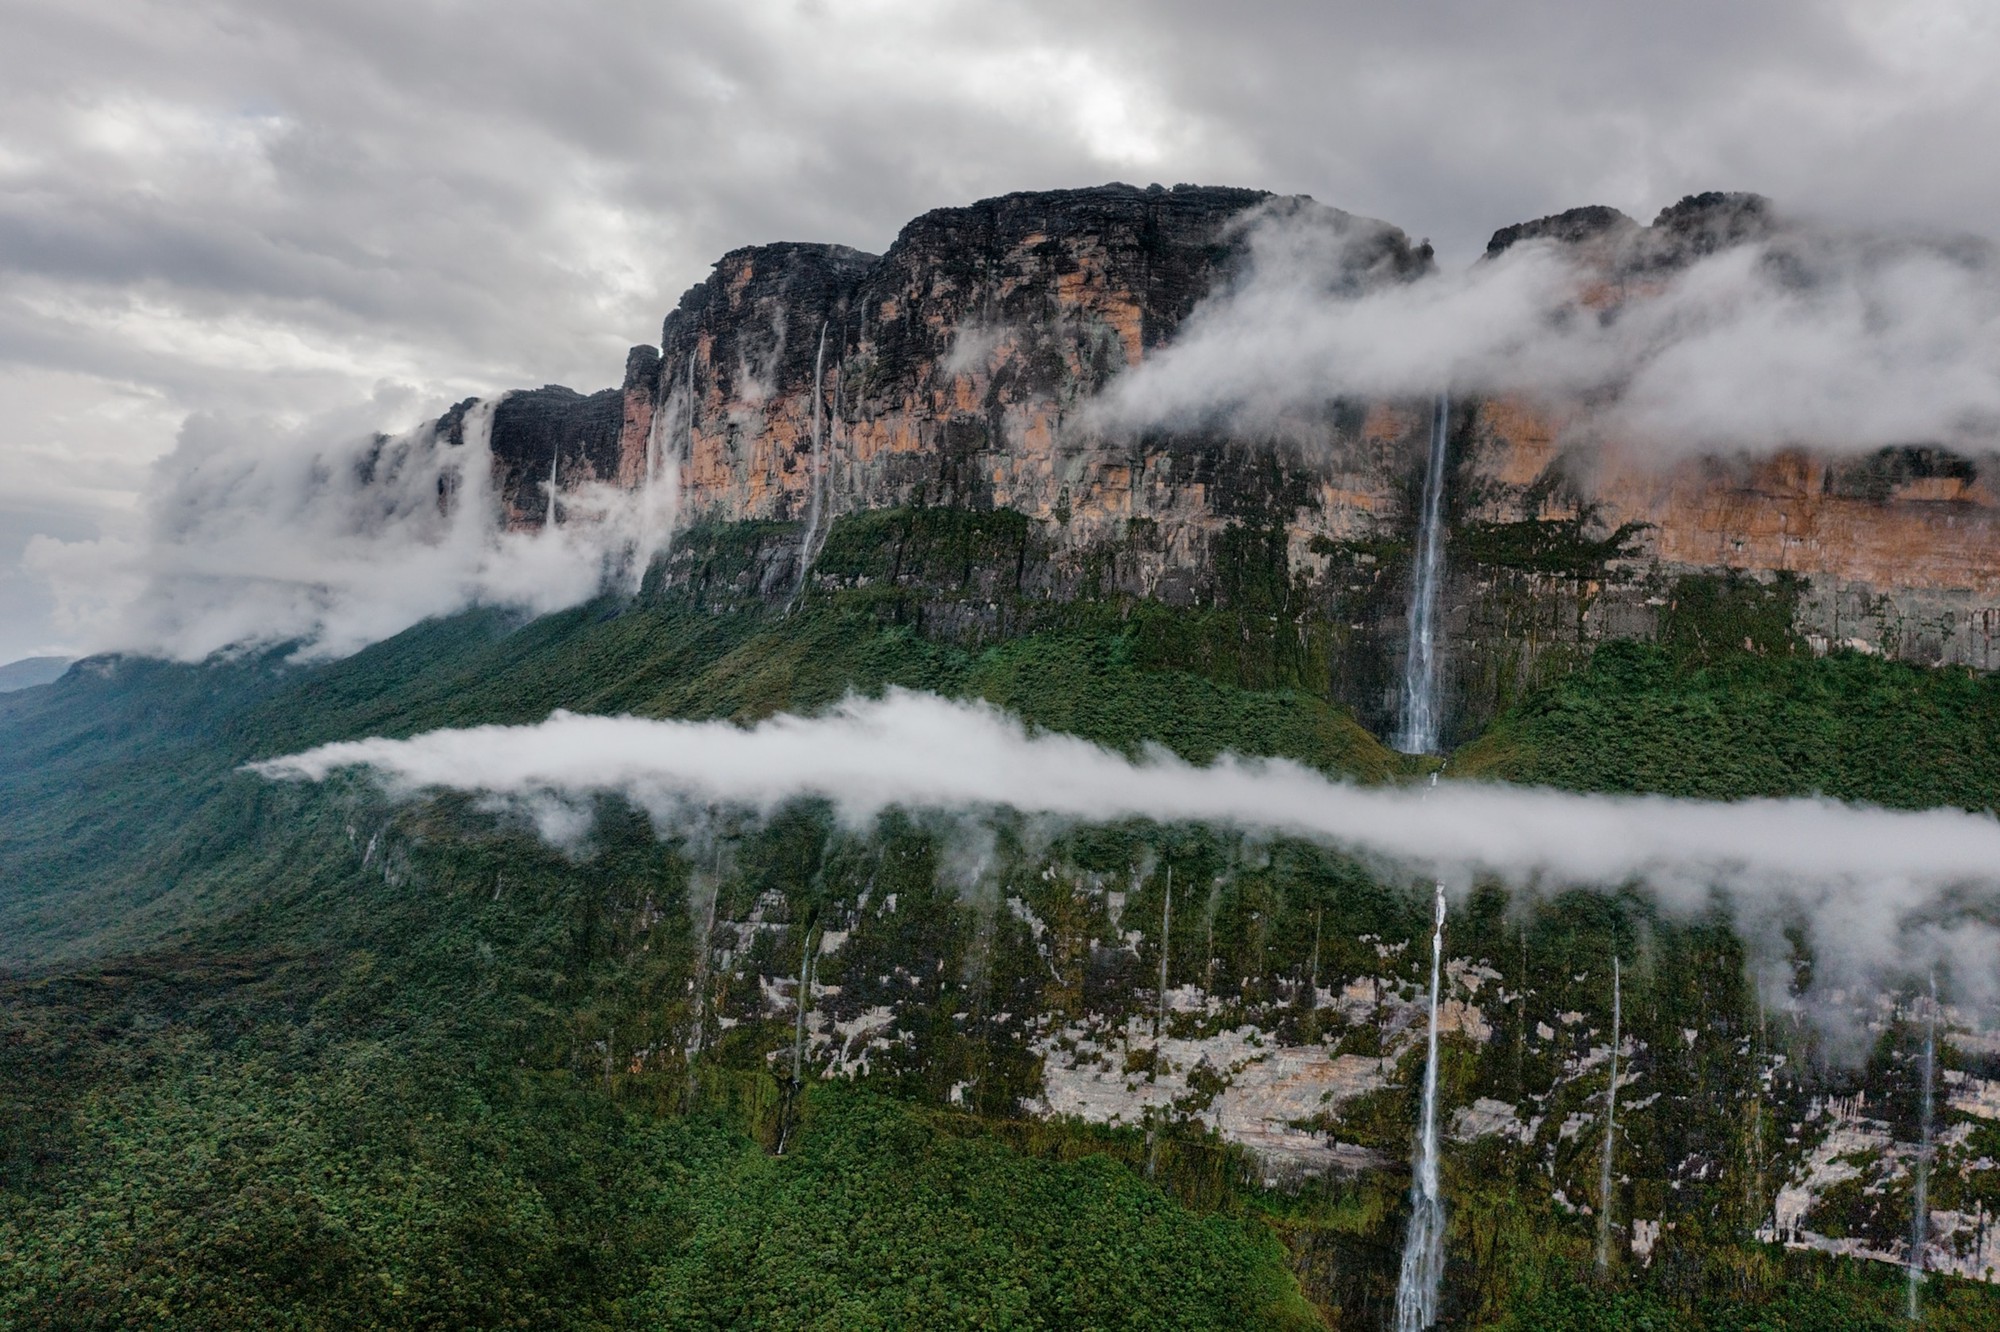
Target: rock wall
[(957, 369)]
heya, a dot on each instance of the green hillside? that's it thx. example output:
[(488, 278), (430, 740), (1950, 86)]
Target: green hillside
[(283, 1056)]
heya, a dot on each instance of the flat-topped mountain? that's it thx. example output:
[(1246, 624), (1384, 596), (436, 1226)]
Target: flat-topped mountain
[(803, 382)]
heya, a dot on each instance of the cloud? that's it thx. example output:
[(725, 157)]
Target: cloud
[(238, 210), (331, 537), (1876, 890), (1807, 337)]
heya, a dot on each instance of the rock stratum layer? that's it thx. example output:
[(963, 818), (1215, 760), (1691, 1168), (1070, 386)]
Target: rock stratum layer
[(801, 383)]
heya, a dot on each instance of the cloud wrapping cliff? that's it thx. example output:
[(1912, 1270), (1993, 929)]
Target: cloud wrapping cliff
[(1801, 337), (330, 537), (1877, 891)]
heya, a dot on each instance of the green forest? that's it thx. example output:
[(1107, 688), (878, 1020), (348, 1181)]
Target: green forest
[(284, 1056)]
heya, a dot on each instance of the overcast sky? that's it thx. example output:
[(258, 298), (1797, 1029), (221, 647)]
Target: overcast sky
[(212, 206)]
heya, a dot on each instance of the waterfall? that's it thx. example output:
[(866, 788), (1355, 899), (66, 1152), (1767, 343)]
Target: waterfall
[(1423, 1247), (699, 987), (1754, 1197), (1418, 733), (1610, 1133), (804, 1002), (816, 483), (1166, 943), (659, 494), (555, 459), (1920, 1217), (1160, 1016)]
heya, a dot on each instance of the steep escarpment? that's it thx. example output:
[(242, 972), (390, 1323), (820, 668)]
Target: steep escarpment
[(314, 1036), (801, 383), (286, 1054)]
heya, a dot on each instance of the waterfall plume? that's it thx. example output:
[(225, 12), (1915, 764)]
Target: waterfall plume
[(816, 483), (1423, 1246), (1920, 1187), (1418, 732), (1610, 1131)]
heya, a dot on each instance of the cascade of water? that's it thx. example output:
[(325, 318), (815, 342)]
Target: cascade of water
[(798, 1039), (1166, 943), (1920, 1216), (697, 1026), (1418, 733), (1312, 972), (1423, 1246), (1610, 1133), (815, 484), (555, 459), (1160, 1014), (659, 494), (1754, 1184)]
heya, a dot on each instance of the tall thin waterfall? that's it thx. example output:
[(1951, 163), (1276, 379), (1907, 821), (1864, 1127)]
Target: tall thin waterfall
[(1418, 733), (659, 508), (1920, 1216), (704, 947), (804, 1004), (1166, 952), (816, 484), (1423, 1247), (555, 460), (1160, 1015), (1610, 1132)]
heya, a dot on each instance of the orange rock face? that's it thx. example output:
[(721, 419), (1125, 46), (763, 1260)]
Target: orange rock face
[(932, 392), (1898, 556), (961, 368)]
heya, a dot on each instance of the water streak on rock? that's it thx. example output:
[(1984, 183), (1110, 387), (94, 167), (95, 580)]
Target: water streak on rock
[(1418, 733), (1423, 1247)]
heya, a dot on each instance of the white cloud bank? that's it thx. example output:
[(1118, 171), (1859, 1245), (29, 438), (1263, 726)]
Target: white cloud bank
[(1805, 338), (1877, 890), (331, 537)]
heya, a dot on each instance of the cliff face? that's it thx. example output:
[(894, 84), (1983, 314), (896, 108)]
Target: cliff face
[(801, 383)]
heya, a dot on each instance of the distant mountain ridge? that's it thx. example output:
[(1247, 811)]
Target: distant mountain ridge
[(31, 671)]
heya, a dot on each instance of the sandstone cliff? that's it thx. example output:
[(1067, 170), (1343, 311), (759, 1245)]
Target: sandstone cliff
[(801, 383)]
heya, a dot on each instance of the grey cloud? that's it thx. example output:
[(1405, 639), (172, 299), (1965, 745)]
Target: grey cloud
[(330, 537), (1809, 337), (512, 193)]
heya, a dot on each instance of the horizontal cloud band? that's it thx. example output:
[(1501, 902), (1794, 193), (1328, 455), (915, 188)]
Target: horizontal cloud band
[(920, 751)]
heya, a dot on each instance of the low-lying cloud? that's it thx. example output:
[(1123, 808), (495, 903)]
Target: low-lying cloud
[(1806, 337), (331, 537), (1877, 891)]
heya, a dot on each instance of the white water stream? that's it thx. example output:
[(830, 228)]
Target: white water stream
[(1610, 1130), (1418, 732), (816, 483), (1423, 1247), (1920, 1215)]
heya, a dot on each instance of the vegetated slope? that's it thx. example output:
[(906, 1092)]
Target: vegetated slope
[(1686, 717), (284, 1056), (124, 792), (277, 1056), (31, 671)]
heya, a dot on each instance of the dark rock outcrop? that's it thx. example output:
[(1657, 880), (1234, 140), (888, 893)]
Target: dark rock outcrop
[(1701, 224), (755, 321), (553, 429), (1694, 228), (1574, 226)]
